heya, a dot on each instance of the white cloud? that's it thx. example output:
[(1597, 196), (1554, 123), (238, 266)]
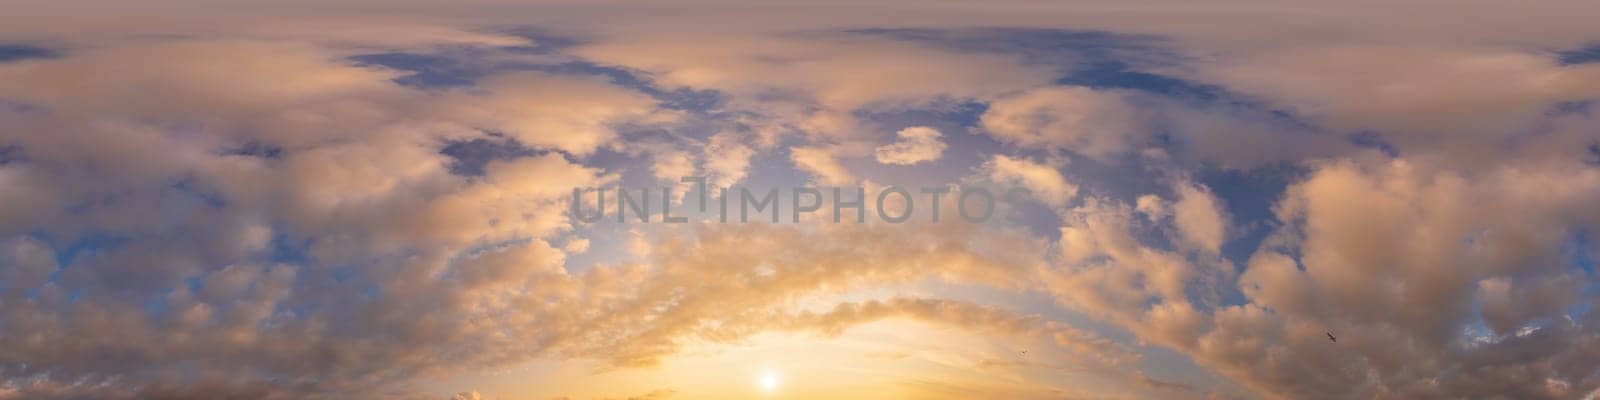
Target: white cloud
[(573, 114), (1043, 181), (1471, 105), (726, 160), (822, 164), (914, 145), (1200, 218), (1087, 121)]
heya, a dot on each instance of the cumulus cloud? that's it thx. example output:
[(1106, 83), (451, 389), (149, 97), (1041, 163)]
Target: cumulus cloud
[(814, 86), (914, 145), (1200, 218), (573, 114), (1442, 264), (1441, 256), (1088, 121), (1109, 123), (1471, 105), (1042, 181)]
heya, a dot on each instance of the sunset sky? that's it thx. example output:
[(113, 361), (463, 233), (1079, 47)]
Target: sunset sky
[(1221, 200)]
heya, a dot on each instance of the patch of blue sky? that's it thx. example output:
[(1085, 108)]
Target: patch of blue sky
[(1105, 60), (432, 70), (1119, 177), (69, 251), (1583, 249), (671, 98), (1096, 59), (1249, 197), (966, 148), (471, 157), (1111, 60), (288, 249), (450, 66), (1117, 74), (462, 66), (1066, 48)]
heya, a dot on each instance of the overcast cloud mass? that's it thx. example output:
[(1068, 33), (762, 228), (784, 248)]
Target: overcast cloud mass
[(370, 200)]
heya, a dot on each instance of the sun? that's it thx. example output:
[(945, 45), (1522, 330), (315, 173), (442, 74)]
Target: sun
[(769, 381)]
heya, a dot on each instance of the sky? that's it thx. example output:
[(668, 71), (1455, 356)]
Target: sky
[(1222, 200)]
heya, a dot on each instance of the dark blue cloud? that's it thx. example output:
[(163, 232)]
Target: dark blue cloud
[(1582, 107), (14, 52), (1116, 74), (11, 153), (1583, 55), (1374, 140), (255, 149)]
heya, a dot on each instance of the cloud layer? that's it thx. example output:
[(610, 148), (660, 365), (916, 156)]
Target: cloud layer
[(355, 209)]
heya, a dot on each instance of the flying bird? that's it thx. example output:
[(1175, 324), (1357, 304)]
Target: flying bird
[(1330, 337)]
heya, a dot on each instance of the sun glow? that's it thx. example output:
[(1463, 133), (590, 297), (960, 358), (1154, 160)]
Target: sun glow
[(769, 381)]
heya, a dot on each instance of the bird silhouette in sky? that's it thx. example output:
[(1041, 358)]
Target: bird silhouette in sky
[(1330, 337)]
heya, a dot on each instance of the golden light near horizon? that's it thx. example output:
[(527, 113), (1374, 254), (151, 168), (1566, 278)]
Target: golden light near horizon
[(769, 381)]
